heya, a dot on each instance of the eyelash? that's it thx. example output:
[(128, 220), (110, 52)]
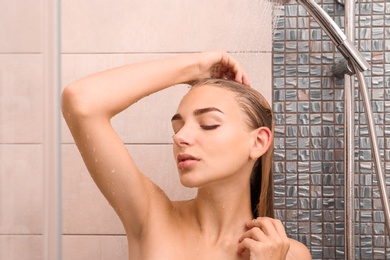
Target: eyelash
[(209, 127), (204, 127)]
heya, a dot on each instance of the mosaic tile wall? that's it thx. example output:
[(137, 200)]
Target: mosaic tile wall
[(308, 104)]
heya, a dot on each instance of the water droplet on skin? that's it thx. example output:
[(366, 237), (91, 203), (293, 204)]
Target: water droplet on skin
[(96, 160), (113, 171), (87, 136)]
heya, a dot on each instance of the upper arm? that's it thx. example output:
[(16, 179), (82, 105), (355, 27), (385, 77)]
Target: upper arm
[(298, 251), (111, 166)]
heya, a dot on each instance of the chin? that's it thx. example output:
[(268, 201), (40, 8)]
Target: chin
[(189, 182)]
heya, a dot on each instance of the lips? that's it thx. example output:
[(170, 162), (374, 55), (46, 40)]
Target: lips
[(185, 161), (184, 157)]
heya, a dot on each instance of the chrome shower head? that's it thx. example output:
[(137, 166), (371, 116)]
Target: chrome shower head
[(345, 46)]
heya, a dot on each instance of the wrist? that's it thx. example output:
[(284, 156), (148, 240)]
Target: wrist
[(188, 68)]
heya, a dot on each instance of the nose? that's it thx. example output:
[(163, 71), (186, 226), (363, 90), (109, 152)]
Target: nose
[(184, 137)]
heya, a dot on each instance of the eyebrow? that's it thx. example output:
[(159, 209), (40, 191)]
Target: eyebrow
[(198, 112)]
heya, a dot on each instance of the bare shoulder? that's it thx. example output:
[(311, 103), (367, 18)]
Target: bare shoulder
[(298, 251)]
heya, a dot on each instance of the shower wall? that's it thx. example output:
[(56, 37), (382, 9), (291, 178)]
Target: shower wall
[(308, 104), (21, 130), (101, 34)]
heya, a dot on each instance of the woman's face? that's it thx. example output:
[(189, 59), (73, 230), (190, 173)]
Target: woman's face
[(212, 141)]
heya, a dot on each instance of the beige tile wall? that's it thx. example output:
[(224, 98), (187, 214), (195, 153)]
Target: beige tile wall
[(96, 35), (20, 29), (21, 160), (21, 168), (165, 26)]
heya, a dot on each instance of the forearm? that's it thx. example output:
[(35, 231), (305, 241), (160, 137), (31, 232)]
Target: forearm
[(109, 92)]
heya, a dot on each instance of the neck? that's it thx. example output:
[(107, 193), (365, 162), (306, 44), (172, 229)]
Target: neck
[(223, 211)]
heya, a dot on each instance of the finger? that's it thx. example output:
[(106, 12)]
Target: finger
[(236, 72), (238, 77), (271, 227), (255, 233), (263, 223), (234, 68), (231, 75), (253, 223), (245, 79), (242, 78), (245, 244)]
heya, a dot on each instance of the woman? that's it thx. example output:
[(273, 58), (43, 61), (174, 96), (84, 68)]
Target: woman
[(223, 133)]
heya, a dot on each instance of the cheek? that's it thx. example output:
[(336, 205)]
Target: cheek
[(228, 145), (174, 152)]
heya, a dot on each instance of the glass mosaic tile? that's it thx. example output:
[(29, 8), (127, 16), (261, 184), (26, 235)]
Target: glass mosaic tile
[(377, 20), (365, 8), (365, 33), (309, 107), (378, 8), (377, 33), (387, 21), (364, 21)]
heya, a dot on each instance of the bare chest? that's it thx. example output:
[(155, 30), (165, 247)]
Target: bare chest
[(186, 248)]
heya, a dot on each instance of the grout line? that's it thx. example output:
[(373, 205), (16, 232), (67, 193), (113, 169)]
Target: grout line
[(158, 53), (131, 144), (111, 235)]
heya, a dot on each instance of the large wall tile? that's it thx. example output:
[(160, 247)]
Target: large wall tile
[(165, 26), (259, 69), (21, 189), (21, 247), (84, 208), (20, 26), (21, 98), (94, 247)]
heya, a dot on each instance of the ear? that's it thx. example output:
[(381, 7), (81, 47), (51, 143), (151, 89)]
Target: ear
[(262, 139)]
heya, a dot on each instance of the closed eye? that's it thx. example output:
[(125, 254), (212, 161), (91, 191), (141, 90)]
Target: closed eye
[(209, 127)]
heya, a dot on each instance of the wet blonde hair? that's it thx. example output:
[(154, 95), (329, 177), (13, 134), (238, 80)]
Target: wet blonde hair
[(259, 114)]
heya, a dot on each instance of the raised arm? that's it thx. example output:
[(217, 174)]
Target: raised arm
[(90, 103)]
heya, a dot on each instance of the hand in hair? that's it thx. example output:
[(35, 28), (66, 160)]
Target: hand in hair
[(219, 64)]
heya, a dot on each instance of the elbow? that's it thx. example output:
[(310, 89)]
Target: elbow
[(73, 103)]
